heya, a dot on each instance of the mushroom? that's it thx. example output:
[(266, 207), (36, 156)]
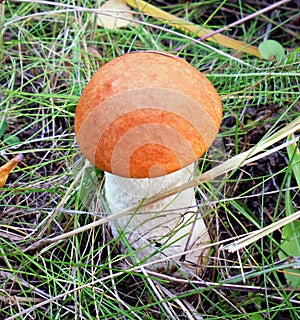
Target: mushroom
[(145, 118)]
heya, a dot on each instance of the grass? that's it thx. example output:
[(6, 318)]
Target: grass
[(48, 54)]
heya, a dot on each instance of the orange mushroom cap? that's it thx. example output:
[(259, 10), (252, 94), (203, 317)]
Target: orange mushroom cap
[(147, 114)]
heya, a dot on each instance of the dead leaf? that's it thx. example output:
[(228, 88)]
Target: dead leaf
[(116, 15), (191, 28), (8, 167)]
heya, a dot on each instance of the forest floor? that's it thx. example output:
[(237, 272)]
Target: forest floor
[(49, 51)]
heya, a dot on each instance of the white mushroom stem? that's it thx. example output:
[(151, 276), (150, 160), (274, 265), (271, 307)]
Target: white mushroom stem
[(165, 228)]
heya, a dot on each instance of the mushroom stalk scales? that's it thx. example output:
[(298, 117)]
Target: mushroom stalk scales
[(163, 229)]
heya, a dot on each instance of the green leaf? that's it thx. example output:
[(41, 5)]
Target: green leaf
[(256, 316), (3, 127), (290, 246), (290, 243), (10, 140), (294, 56), (7, 138), (294, 157), (271, 49)]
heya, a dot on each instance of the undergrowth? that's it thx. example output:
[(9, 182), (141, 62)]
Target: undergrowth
[(48, 54)]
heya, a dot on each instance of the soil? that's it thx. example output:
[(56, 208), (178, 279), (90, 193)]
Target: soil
[(253, 176)]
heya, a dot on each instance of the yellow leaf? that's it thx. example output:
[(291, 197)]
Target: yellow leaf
[(8, 167), (192, 28), (116, 14)]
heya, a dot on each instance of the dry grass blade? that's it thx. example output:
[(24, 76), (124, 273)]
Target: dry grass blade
[(168, 307), (255, 14), (227, 166), (192, 28), (50, 50), (258, 234), (189, 28)]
